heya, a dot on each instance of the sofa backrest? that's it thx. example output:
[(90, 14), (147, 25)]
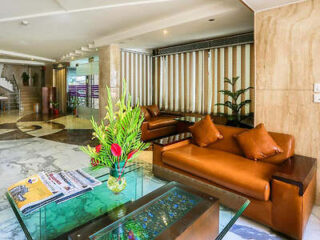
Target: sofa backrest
[(229, 143)]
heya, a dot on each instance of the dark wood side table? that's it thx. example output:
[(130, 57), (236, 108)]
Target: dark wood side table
[(173, 139), (185, 122)]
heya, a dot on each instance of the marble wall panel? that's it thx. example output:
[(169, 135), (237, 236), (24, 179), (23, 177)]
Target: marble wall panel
[(287, 45)]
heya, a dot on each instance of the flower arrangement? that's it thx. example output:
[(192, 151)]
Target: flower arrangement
[(120, 139)]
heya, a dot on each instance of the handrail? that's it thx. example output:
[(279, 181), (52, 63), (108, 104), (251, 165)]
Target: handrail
[(6, 84), (11, 91)]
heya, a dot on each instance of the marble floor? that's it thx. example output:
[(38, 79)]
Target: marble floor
[(33, 143)]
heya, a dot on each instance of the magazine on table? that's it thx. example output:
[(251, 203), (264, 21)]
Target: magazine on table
[(73, 183), (38, 190)]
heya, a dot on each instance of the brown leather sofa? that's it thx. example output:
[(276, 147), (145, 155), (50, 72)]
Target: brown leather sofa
[(282, 193), (157, 124)]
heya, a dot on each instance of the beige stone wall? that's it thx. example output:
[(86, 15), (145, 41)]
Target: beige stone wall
[(48, 76), (109, 75), (287, 45)]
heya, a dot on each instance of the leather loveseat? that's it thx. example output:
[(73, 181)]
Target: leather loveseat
[(281, 188), (157, 124)]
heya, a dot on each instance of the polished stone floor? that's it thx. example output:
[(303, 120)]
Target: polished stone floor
[(66, 129), (33, 143)]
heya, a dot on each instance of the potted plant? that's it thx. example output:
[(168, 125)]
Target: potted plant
[(25, 78), (234, 104), (55, 106), (119, 140), (74, 104)]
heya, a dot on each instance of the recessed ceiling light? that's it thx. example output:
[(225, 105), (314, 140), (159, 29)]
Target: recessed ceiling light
[(72, 58), (24, 22), (97, 49), (165, 31), (32, 59), (211, 20)]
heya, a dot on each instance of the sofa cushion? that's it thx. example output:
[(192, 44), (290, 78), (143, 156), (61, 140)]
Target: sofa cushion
[(160, 122), (226, 169), (145, 113), (205, 132), (257, 143), (230, 144), (287, 143), (154, 110)]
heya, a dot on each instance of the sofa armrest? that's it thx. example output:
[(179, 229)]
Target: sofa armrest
[(144, 130), (158, 149), (297, 170)]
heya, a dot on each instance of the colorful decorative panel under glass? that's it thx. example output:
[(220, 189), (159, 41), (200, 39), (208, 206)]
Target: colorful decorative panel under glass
[(152, 219)]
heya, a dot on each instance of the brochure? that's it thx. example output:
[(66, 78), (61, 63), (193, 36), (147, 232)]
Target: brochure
[(38, 190)]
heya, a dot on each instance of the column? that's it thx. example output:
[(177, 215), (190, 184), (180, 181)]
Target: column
[(109, 75)]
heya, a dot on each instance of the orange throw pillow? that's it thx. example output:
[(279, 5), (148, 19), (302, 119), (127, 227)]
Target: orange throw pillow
[(154, 110), (257, 143), (205, 132)]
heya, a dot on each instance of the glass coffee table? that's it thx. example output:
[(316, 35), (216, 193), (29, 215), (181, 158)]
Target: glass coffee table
[(149, 208)]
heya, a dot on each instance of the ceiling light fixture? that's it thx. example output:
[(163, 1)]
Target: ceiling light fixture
[(211, 20), (24, 22), (165, 32)]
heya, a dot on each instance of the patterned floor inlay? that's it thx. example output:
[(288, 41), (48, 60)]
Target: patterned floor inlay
[(66, 129), (3, 131), (72, 122), (39, 128), (39, 117), (73, 136), (14, 135), (8, 126)]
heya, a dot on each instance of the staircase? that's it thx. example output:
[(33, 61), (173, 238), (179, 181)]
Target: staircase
[(28, 97), (10, 89)]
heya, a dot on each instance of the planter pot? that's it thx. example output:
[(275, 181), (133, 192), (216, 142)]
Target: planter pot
[(75, 113), (56, 111), (25, 83), (116, 183)]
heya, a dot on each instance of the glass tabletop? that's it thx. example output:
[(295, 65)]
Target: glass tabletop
[(231, 205), (60, 220), (54, 219)]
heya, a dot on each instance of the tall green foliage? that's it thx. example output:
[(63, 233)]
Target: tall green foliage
[(123, 129), (234, 105)]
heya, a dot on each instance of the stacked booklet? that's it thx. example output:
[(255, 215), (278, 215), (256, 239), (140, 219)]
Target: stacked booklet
[(38, 190)]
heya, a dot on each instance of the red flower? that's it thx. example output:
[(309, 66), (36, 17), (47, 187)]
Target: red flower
[(98, 148), (130, 155), (94, 162), (116, 150)]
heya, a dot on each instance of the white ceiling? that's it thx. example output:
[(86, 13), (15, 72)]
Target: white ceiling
[(261, 5), (58, 27)]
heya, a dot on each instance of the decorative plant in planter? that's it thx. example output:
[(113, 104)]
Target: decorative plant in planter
[(55, 106), (234, 105), (120, 140), (25, 78), (74, 105)]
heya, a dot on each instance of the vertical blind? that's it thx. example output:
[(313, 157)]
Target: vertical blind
[(136, 69), (190, 82)]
